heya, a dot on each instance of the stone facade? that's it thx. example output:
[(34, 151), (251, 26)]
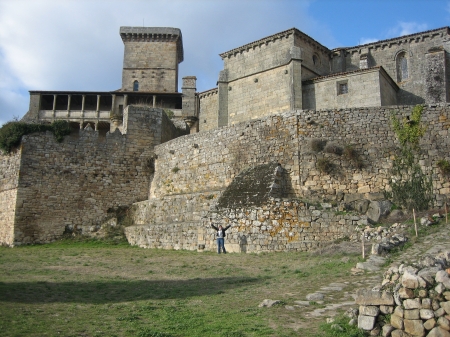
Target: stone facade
[(290, 70)]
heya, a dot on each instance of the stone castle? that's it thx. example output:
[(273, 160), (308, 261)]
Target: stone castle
[(240, 153)]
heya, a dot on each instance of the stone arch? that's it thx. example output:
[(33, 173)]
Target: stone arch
[(316, 59), (402, 66)]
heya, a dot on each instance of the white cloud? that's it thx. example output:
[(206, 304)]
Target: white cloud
[(365, 40), (406, 28)]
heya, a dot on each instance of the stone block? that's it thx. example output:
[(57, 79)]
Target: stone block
[(366, 322), (414, 327), (412, 303), (397, 322), (369, 297), (438, 332), (412, 314), (369, 310)]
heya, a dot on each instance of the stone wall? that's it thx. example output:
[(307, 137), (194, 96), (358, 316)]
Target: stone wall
[(9, 180), (365, 88), (261, 57), (194, 173), (259, 95), (153, 64), (209, 161), (278, 225), (386, 53), (208, 110), (80, 182)]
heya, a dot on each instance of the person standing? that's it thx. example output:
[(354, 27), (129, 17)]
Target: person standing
[(220, 236)]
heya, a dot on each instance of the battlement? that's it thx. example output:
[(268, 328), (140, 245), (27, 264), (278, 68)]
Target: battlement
[(154, 34)]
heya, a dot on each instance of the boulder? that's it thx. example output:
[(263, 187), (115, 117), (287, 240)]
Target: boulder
[(369, 310), (378, 209)]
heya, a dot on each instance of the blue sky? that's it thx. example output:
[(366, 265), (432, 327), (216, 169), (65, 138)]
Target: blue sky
[(75, 44)]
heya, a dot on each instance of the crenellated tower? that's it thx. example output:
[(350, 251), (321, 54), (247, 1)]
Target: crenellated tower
[(151, 59)]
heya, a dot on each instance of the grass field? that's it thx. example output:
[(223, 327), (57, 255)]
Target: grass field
[(94, 289)]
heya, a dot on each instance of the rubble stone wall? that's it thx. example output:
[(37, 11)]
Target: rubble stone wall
[(209, 161), (80, 181), (278, 225), (9, 179)]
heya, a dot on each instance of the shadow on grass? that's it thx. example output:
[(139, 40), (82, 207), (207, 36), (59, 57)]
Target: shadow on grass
[(100, 292)]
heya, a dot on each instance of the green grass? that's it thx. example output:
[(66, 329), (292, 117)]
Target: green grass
[(93, 288)]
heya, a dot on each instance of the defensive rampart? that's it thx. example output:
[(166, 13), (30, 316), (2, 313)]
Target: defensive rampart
[(202, 166), (48, 188)]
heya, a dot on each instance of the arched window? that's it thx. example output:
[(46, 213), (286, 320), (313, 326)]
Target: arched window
[(135, 86), (402, 67), (316, 60)]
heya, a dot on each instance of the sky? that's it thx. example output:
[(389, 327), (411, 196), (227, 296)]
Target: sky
[(75, 44)]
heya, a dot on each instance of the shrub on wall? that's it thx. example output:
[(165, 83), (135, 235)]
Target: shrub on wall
[(353, 156), (444, 166), (11, 133), (317, 145), (333, 149), (324, 165), (411, 188)]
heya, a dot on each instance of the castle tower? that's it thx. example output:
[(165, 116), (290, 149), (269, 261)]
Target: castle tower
[(151, 58)]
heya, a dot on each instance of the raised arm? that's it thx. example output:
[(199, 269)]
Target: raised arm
[(210, 222)]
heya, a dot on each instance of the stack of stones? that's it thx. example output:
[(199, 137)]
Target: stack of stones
[(412, 301)]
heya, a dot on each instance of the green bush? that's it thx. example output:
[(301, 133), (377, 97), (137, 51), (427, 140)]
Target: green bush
[(444, 166), (11, 133)]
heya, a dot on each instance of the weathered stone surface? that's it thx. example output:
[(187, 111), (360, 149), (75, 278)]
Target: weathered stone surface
[(369, 310), (426, 303), (443, 323), (369, 297), (366, 322), (426, 314), (268, 303), (438, 332), (398, 333), (386, 309), (315, 297), (410, 280), (412, 314), (386, 330), (378, 209), (412, 303), (446, 306), (430, 324), (406, 293), (414, 327), (397, 322)]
